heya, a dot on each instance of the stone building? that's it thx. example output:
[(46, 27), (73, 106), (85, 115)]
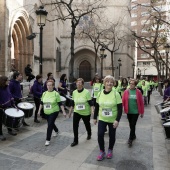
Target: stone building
[(18, 20)]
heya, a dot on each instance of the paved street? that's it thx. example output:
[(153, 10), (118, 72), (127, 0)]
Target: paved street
[(26, 151)]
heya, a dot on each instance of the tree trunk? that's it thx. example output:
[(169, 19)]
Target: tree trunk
[(72, 53), (112, 65), (95, 61)]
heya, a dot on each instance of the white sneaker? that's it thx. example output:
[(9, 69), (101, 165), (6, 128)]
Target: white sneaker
[(56, 134), (47, 143)]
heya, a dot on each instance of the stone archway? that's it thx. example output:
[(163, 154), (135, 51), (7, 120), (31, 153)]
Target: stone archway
[(21, 49), (85, 70)]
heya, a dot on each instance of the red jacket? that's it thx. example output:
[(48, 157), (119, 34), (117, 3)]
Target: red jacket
[(139, 97)]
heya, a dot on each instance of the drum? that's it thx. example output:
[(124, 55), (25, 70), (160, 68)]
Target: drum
[(63, 100), (158, 107), (13, 118), (27, 108), (167, 129)]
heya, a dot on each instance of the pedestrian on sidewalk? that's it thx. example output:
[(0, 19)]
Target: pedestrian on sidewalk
[(37, 90), (109, 108), (166, 96), (51, 102), (133, 106), (83, 108)]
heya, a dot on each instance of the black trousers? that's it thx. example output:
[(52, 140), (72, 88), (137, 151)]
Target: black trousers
[(101, 131), (76, 120), (149, 94), (132, 118), (51, 124), (1, 118), (37, 104), (30, 77)]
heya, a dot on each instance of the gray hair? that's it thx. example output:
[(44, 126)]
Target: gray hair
[(108, 77)]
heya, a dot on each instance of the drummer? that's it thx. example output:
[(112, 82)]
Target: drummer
[(6, 101), (15, 89)]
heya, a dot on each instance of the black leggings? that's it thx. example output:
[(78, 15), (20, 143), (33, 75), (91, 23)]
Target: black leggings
[(112, 135), (132, 118), (76, 120)]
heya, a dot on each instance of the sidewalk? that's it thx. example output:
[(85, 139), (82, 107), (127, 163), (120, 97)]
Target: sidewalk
[(26, 151)]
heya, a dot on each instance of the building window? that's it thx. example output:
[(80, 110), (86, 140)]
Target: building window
[(145, 64), (133, 23), (143, 22), (133, 15), (144, 55), (144, 13)]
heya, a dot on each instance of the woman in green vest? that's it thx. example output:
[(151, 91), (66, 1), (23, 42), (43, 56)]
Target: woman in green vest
[(109, 109), (97, 87), (51, 102), (83, 107)]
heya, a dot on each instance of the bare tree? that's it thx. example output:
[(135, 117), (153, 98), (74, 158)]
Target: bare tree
[(74, 11)]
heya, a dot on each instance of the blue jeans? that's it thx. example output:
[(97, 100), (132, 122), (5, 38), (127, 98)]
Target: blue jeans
[(51, 124), (112, 135)]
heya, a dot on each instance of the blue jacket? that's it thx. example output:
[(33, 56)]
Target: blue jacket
[(5, 96), (37, 89), (15, 89), (166, 93)]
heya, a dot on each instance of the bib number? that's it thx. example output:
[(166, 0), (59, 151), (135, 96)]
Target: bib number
[(96, 89), (80, 107), (47, 106), (107, 112)]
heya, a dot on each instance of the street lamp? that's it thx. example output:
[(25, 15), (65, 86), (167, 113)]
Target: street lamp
[(119, 62), (167, 53), (102, 56), (41, 20), (133, 65)]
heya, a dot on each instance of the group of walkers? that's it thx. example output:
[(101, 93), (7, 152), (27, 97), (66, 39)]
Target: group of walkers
[(106, 103)]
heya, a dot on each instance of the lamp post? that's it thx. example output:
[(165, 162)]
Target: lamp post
[(41, 20), (167, 53), (163, 70), (119, 62), (102, 56), (139, 72), (133, 65), (160, 61)]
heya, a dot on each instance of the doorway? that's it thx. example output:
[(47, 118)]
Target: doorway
[(85, 70)]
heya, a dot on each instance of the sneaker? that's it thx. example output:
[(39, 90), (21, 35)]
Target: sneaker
[(2, 138), (47, 143), (36, 121), (109, 154), (134, 137), (101, 156), (56, 134), (88, 137), (12, 133), (130, 143)]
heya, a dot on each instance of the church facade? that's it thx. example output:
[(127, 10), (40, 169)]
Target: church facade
[(18, 21)]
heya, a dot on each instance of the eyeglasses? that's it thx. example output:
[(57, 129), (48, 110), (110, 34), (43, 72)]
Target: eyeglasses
[(132, 84)]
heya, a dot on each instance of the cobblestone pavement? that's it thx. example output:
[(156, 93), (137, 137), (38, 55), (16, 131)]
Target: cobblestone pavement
[(26, 151)]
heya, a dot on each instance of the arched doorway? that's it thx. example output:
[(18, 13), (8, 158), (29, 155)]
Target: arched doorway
[(21, 49), (85, 70)]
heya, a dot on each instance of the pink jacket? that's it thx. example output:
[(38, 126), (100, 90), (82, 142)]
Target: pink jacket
[(139, 98)]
